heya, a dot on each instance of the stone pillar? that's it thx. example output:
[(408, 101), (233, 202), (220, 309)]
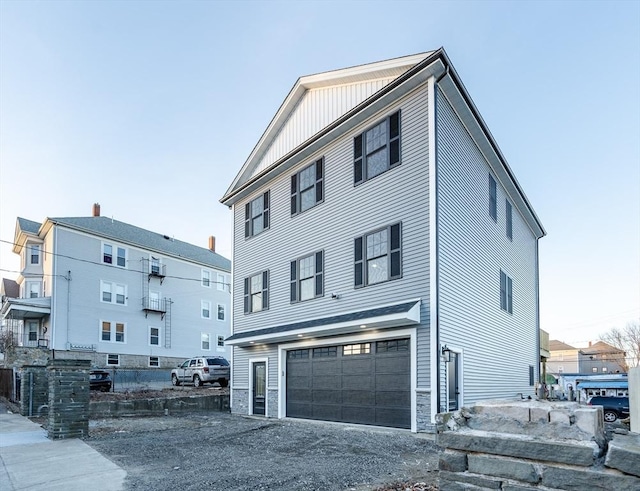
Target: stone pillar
[(68, 398), (34, 390)]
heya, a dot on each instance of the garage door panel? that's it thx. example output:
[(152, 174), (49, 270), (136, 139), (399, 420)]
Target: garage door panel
[(331, 396), (359, 397), (364, 388), (355, 382), (393, 398), (398, 418)]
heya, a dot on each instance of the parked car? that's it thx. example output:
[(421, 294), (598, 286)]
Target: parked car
[(100, 380), (202, 369), (614, 407)]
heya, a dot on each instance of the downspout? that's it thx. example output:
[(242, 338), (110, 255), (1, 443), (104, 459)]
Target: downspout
[(437, 252)]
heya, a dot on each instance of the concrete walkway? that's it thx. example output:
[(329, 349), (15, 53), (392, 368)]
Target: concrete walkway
[(29, 460)]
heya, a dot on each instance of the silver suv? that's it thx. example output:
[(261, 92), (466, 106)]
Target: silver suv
[(202, 369)]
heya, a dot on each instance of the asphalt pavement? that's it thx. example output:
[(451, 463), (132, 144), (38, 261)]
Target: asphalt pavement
[(30, 460)]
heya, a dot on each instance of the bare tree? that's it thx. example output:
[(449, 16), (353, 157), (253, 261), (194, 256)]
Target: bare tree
[(626, 339)]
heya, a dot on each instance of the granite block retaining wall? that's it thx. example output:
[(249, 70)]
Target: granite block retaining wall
[(528, 445)]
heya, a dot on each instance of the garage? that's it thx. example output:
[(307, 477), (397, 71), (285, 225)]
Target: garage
[(363, 383)]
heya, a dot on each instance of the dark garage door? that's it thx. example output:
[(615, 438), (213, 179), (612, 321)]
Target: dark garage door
[(364, 383)]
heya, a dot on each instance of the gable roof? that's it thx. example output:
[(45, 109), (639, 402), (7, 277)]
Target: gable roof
[(266, 162), (28, 226), (555, 345), (10, 288), (600, 347), (108, 228)]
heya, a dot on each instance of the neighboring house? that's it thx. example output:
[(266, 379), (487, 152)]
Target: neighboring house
[(99, 289), (601, 357), (385, 257), (563, 358)]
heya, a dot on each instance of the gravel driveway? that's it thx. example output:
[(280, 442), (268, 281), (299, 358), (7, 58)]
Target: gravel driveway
[(218, 451)]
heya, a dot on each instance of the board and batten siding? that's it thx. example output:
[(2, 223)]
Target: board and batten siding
[(317, 109), (398, 195), (498, 347)]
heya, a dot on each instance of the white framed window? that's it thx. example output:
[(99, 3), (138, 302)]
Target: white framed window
[(377, 149), (256, 215), (307, 187), (113, 360), (155, 301), (32, 328), (155, 266), (113, 293), (205, 341), (256, 292), (34, 254), (206, 278), (220, 341), (604, 369), (33, 289), (221, 312), (154, 362), (506, 292), (112, 332), (108, 253), (205, 309), (154, 336), (222, 282)]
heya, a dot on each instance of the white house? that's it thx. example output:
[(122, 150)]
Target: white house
[(385, 257), (100, 289)]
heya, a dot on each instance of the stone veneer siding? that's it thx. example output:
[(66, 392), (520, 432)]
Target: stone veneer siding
[(34, 390), (240, 401)]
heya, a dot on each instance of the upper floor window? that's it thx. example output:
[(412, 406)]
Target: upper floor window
[(256, 292), (493, 198), (113, 293), (222, 282), (34, 254), (220, 341), (378, 256), (509, 216), (506, 293), (307, 277), (377, 149), (154, 266), (154, 336), (34, 289), (113, 332), (256, 215), (205, 341), (221, 312), (307, 187), (206, 278), (206, 309), (108, 252)]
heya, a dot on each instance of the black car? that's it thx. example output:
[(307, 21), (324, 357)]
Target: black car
[(100, 380), (614, 407)]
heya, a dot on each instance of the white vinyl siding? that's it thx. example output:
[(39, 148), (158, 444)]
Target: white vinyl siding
[(472, 251)]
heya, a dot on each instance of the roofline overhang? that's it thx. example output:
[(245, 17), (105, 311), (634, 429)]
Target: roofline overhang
[(26, 308), (436, 64), (371, 324)]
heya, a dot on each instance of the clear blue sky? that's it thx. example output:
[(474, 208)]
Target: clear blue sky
[(150, 108)]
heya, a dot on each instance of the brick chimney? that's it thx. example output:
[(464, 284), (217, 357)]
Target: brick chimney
[(212, 243), (96, 209)]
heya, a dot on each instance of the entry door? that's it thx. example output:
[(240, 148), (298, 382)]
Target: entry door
[(453, 382), (259, 387)]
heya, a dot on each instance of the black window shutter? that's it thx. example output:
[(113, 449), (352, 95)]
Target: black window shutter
[(319, 274), (509, 295), (265, 289), (493, 203), (359, 263), (247, 220), (358, 161), (503, 290), (246, 296), (294, 194), (266, 210), (294, 281), (319, 180), (395, 250), (394, 139)]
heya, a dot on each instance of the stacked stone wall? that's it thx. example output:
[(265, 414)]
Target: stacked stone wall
[(34, 390), (527, 445), (68, 398)]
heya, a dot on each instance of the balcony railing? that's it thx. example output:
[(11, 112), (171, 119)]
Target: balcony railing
[(150, 304)]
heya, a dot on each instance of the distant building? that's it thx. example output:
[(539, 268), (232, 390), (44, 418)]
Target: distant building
[(602, 358), (563, 358), (100, 289)]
